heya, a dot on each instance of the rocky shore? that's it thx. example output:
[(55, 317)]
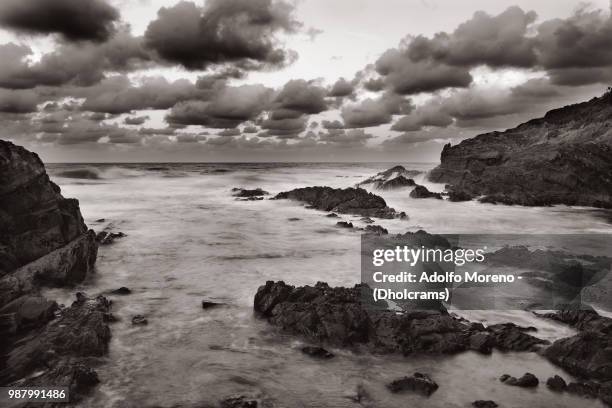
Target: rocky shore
[(563, 158), (356, 201), (44, 242)]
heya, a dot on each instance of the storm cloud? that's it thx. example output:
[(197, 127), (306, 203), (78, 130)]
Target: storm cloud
[(73, 19), (223, 31)]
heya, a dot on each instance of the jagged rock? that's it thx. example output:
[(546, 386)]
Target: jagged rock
[(206, 304), (107, 237), (245, 193), (345, 201), (80, 331), (376, 229), (332, 215), (317, 352), (395, 177), (544, 161), (343, 317), (31, 310), (556, 383), (121, 291), (419, 383), (484, 404), (528, 380), (423, 192), (139, 320), (344, 224), (509, 336), (457, 196)]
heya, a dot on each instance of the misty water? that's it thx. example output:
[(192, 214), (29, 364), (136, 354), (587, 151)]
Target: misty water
[(189, 240)]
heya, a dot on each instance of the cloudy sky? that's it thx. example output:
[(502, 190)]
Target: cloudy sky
[(282, 80)]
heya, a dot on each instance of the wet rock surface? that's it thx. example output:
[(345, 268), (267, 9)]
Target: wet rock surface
[(343, 317), (423, 192), (395, 177), (418, 383), (528, 380), (45, 243), (355, 201), (108, 237), (541, 162), (246, 193)]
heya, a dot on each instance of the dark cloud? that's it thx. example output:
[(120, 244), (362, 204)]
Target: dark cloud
[(74, 19), (430, 114), (374, 84), (336, 124), (223, 31), (283, 128), (301, 96), (483, 40), (135, 120), (117, 95), (74, 64), (374, 112), (230, 107), (250, 129), (18, 101), (405, 76), (342, 88)]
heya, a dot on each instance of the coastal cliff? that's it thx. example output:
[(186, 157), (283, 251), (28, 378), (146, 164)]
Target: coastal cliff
[(44, 242), (563, 158)]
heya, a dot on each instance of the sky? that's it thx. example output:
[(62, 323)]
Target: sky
[(282, 80)]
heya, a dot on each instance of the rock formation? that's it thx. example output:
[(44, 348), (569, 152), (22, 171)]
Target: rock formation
[(422, 192), (44, 242), (395, 177), (563, 158), (344, 201), (343, 317)]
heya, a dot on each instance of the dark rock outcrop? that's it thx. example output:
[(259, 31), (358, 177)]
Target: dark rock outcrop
[(375, 229), (343, 317), (556, 383), (563, 158), (107, 237), (422, 192), (418, 383), (344, 201), (484, 404), (395, 177), (121, 291), (528, 380), (245, 193), (44, 242), (317, 352), (344, 224), (207, 304)]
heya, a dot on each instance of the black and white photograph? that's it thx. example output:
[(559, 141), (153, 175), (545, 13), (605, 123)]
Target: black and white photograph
[(305, 203)]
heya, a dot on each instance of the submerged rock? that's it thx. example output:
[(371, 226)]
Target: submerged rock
[(423, 192), (108, 237), (317, 352), (418, 383), (206, 304), (344, 201), (563, 158), (484, 404), (139, 320), (239, 402), (395, 177), (245, 193), (121, 291), (528, 380)]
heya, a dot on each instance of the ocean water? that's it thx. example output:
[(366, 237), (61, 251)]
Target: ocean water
[(189, 240)]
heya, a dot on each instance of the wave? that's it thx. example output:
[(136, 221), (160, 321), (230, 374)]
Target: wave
[(98, 173)]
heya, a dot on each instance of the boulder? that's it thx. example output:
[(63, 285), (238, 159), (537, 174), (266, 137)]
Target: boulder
[(423, 192), (395, 177), (355, 201), (418, 383), (344, 224), (121, 291), (556, 383), (528, 380), (484, 404), (245, 193)]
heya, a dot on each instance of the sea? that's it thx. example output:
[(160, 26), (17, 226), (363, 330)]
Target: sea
[(188, 240)]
